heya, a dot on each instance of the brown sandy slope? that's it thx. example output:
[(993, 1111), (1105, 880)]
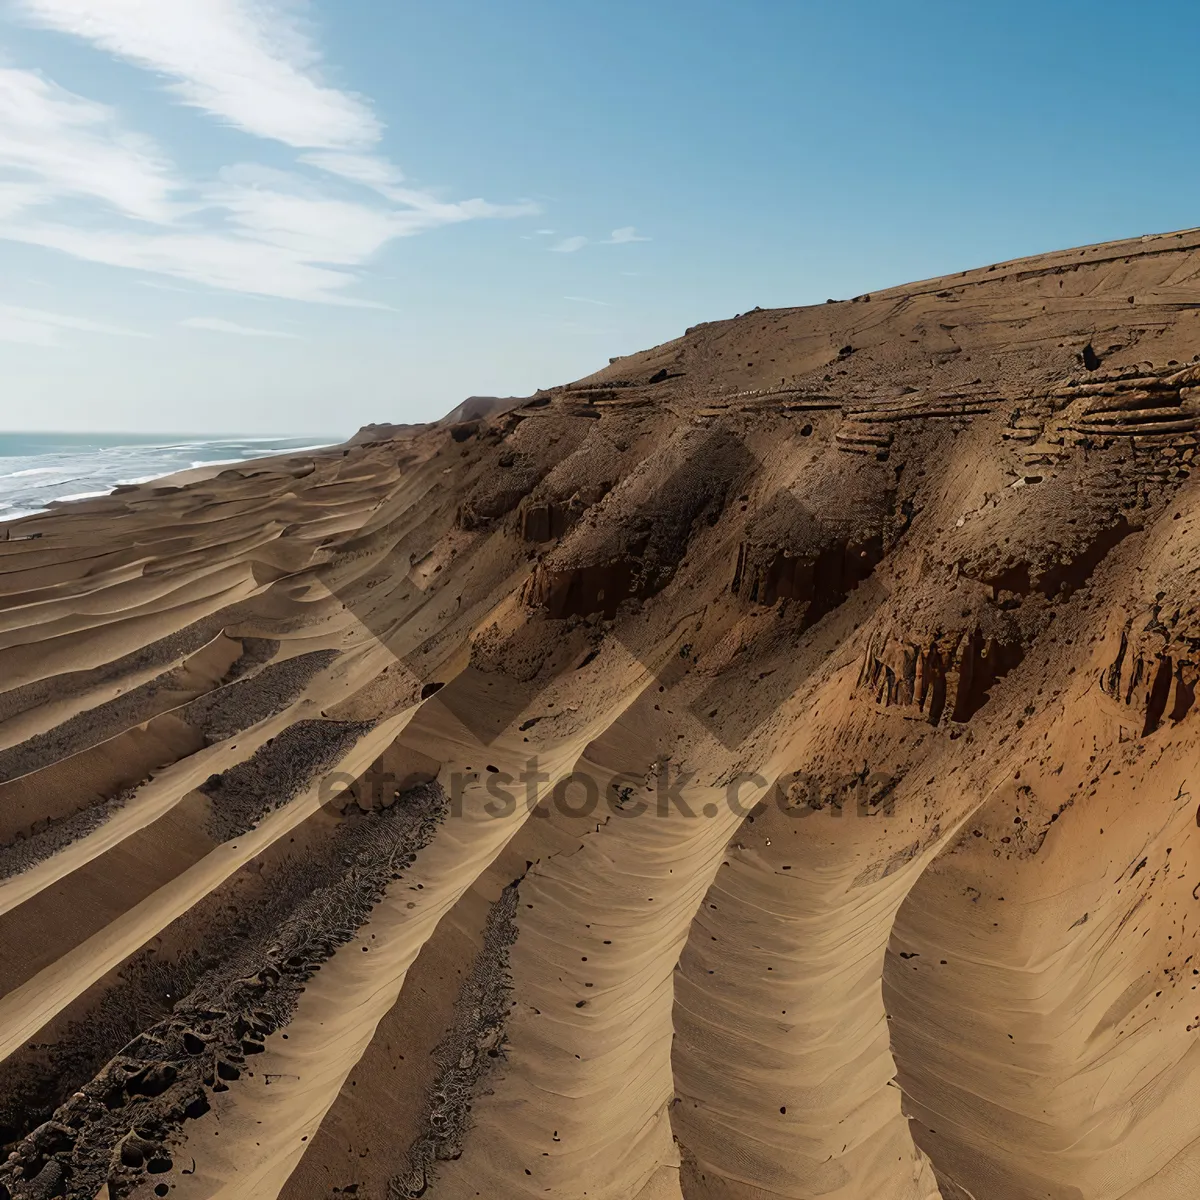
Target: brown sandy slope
[(767, 768)]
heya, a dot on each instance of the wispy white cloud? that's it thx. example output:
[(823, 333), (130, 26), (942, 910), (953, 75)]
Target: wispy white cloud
[(54, 144), (419, 210), (368, 169), (220, 325), (284, 210), (250, 63), (588, 300), (619, 237), (569, 245), (35, 327), (624, 235), (256, 230), (218, 260)]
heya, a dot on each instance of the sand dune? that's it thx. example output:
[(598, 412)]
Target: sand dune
[(765, 768)]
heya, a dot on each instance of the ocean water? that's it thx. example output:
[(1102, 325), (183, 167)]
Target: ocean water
[(38, 468)]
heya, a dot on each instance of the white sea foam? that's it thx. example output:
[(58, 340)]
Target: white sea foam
[(213, 462), (80, 496)]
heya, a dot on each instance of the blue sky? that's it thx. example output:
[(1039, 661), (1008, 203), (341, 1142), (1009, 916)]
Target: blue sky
[(253, 216)]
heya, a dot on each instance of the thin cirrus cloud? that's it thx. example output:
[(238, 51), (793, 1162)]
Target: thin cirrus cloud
[(35, 327), (625, 235), (619, 237), (220, 325), (250, 65), (59, 145), (245, 62)]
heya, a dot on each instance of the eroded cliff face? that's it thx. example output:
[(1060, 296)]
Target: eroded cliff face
[(763, 769)]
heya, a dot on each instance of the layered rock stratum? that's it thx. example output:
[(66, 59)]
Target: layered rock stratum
[(765, 768)]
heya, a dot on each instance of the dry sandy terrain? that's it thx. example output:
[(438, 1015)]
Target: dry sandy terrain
[(766, 768)]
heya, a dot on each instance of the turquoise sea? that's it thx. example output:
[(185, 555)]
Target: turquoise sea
[(38, 468)]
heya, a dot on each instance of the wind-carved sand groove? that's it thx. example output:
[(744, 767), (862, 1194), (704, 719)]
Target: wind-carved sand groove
[(765, 768), (466, 1056)]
